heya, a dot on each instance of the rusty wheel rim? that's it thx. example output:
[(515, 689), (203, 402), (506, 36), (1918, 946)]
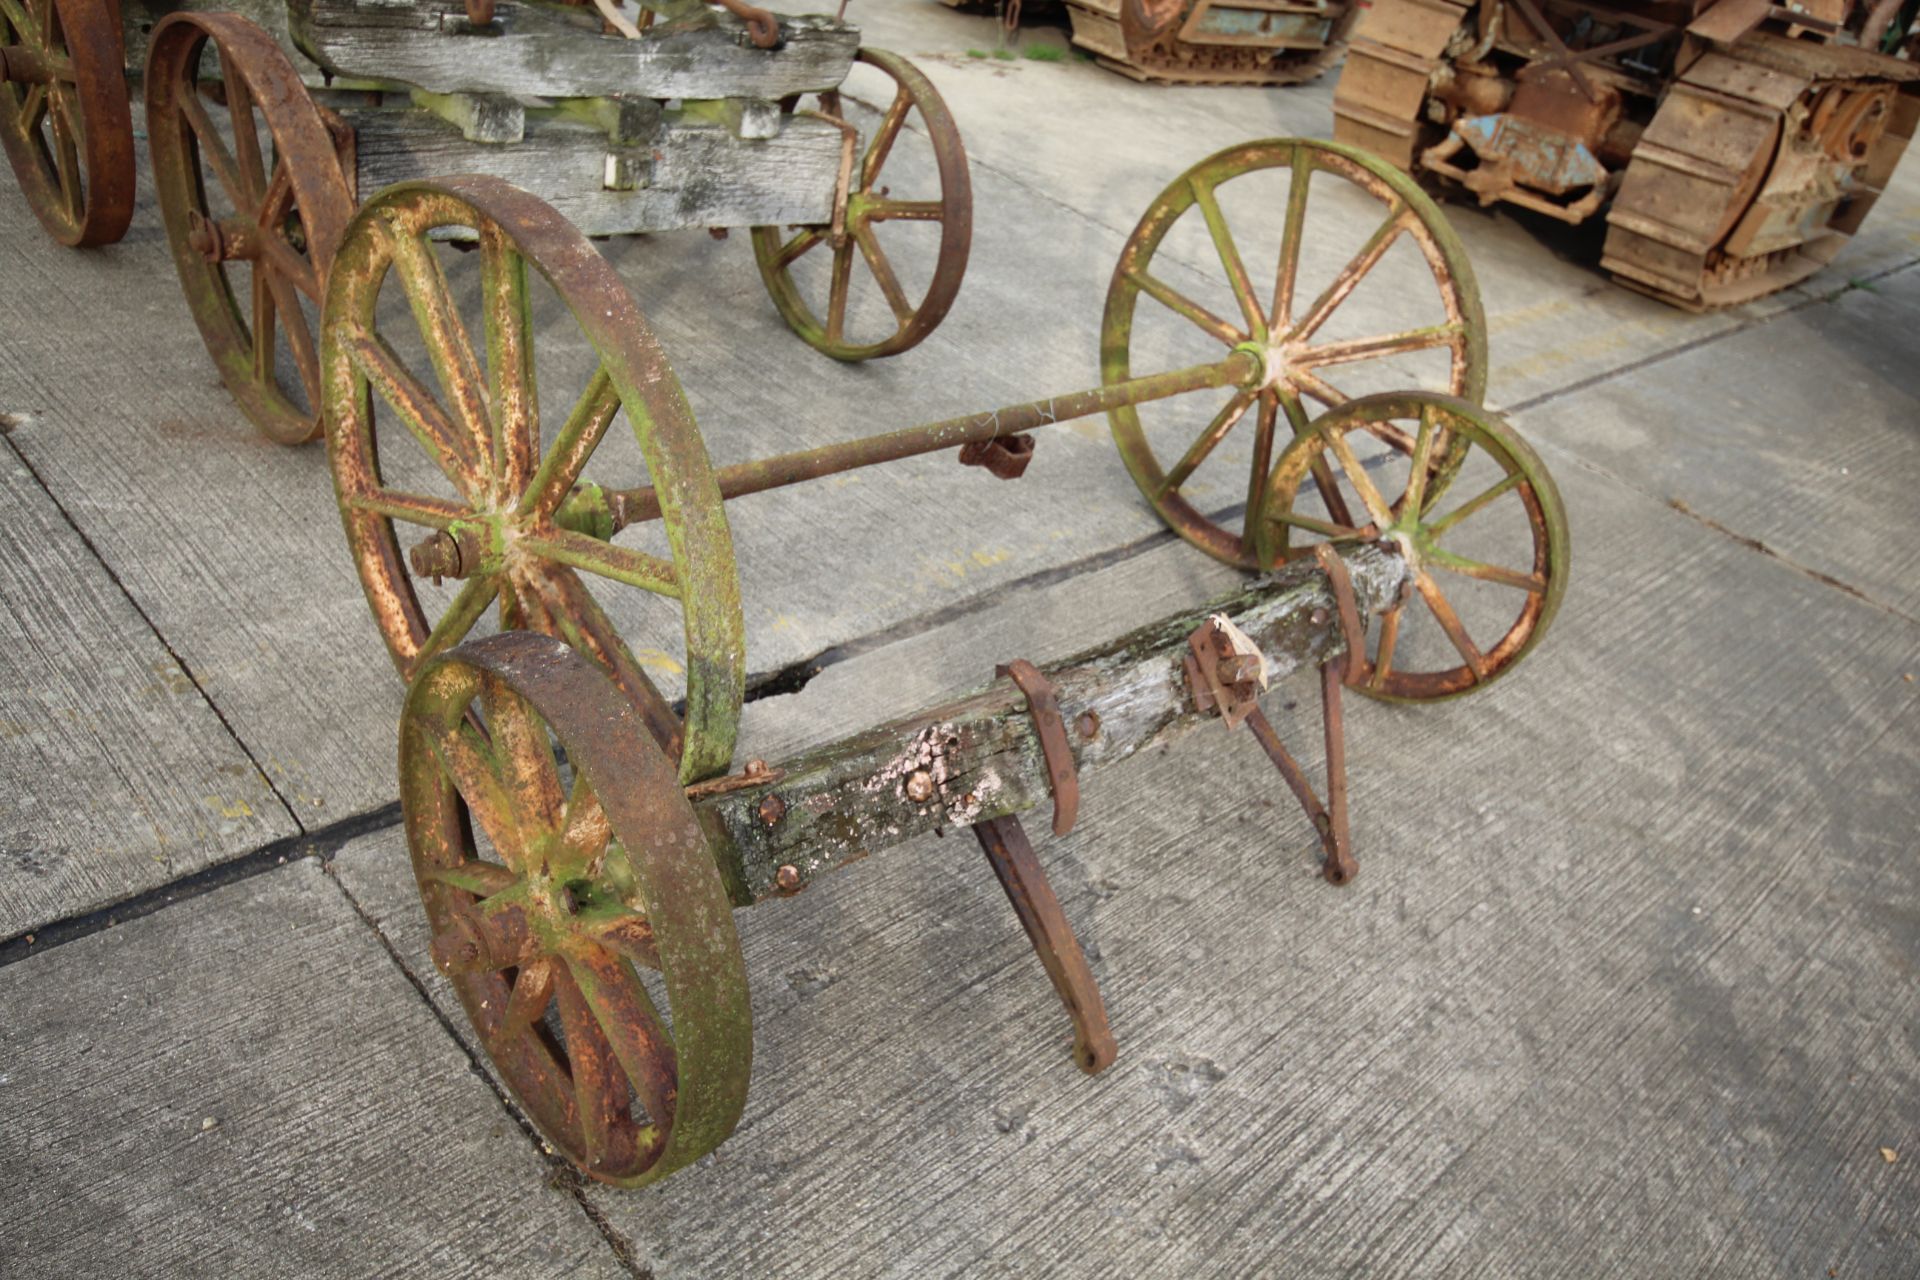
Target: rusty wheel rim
[(286, 204), (1520, 487), (523, 527), (64, 117), (1280, 325), (869, 208), (581, 881)]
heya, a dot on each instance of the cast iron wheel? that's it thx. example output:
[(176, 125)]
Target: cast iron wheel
[(579, 881), (1514, 508), (868, 208), (277, 210), (490, 509), (64, 117), (1278, 322)]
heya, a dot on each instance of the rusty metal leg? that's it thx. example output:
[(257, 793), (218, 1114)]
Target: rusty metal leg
[(1330, 819), (1006, 846)]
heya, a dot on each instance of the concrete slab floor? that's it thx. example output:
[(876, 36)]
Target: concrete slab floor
[(1626, 985)]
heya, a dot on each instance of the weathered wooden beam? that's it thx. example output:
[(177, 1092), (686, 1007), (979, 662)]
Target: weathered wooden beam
[(558, 52), (979, 757), (688, 173)]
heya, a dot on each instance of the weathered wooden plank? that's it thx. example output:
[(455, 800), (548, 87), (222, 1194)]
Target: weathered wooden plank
[(691, 174), (245, 1085), (116, 776), (981, 755), (554, 52)]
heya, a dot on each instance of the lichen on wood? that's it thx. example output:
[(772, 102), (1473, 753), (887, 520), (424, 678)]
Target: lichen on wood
[(979, 756)]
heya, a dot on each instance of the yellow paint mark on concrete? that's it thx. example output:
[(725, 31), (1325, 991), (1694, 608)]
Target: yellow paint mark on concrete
[(236, 809), (783, 622), (987, 559), (658, 660)]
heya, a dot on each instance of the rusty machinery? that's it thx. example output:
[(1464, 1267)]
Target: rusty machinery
[(577, 834), (1214, 41), (1731, 145), (262, 134)]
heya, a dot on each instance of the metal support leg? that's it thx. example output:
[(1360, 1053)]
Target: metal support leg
[(1006, 846), (1330, 819)]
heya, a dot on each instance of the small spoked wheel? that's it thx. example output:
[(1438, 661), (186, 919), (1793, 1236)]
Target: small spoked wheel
[(816, 292), (1485, 570), (64, 117), (439, 439), (565, 883), (1333, 263), (251, 190)]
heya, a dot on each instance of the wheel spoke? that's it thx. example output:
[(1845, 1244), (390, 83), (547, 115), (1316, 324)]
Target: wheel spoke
[(1229, 255), (445, 335), (264, 347), (246, 135), (1330, 496), (883, 274), (481, 879), (1288, 272), (585, 829), (626, 1016), (1320, 389), (883, 138), (450, 448), (1331, 532), (837, 298), (605, 560), (598, 1088), (1223, 422), (413, 508), (1357, 477), (33, 106), (1262, 459), (793, 248), (1351, 274), (1471, 505), (577, 619), (22, 22), (906, 210), (66, 154), (1167, 296), (1349, 350), (468, 605), (532, 993), (524, 754), (579, 436), (213, 149), (507, 313), (1417, 462), (1450, 623), (468, 760), (293, 319), (1532, 583)]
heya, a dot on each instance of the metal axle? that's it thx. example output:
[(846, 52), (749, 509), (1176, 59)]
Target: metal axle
[(1242, 368)]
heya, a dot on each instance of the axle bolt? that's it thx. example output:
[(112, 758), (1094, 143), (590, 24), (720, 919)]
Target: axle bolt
[(772, 809), (920, 786), (204, 237), (787, 879)]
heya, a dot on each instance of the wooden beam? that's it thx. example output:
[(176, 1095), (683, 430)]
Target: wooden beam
[(550, 52), (979, 757)]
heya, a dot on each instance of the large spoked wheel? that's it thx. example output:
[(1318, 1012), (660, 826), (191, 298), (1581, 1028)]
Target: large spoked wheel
[(1491, 565), (564, 883), (254, 202), (461, 457), (1201, 286), (64, 117), (864, 224)]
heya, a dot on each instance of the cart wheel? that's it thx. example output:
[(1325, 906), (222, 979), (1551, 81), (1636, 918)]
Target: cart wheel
[(277, 209), (460, 457), (64, 117), (1198, 277), (1503, 568), (870, 206), (540, 915)]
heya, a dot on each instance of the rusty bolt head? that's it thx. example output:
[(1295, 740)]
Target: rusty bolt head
[(203, 236), (756, 769), (920, 786), (436, 556), (788, 878), (1089, 725), (772, 809), (1319, 616), (457, 950)]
